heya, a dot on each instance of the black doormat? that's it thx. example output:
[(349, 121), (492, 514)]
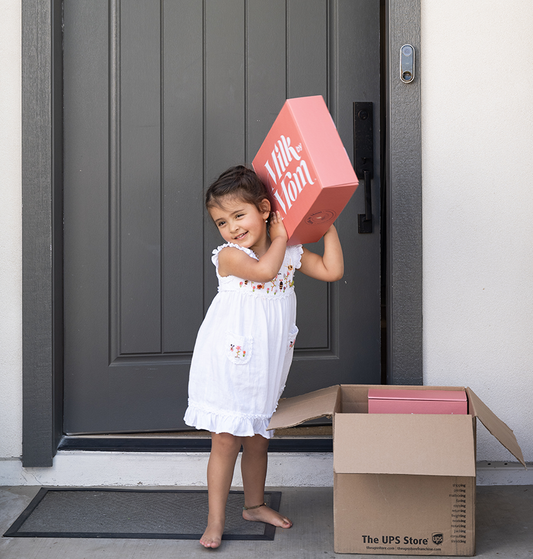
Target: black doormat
[(125, 513)]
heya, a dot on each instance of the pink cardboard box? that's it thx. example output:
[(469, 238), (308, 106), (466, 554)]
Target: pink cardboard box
[(305, 164), (416, 401)]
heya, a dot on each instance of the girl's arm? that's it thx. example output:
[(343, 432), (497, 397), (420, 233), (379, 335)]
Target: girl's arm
[(329, 266), (235, 262)]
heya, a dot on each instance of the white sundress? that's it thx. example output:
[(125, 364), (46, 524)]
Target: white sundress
[(243, 351)]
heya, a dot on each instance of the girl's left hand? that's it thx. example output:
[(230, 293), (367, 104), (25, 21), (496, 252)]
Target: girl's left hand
[(331, 229)]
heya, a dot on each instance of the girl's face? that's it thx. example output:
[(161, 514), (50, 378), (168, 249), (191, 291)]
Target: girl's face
[(240, 222)]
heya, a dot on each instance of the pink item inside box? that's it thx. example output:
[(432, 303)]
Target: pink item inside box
[(305, 164), (417, 401)]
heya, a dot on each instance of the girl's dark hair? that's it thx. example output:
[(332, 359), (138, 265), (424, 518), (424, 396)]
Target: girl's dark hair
[(237, 181)]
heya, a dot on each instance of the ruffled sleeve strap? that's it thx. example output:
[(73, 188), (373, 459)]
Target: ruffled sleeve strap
[(216, 252), (296, 255)]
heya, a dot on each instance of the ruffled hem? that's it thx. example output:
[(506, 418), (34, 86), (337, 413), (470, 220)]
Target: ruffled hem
[(219, 422), (248, 251)]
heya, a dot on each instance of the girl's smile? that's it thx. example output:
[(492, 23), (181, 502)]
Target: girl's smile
[(242, 223)]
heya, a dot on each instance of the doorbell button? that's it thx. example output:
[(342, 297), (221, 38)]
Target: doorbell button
[(407, 63)]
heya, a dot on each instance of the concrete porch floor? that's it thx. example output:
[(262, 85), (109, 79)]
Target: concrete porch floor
[(504, 531)]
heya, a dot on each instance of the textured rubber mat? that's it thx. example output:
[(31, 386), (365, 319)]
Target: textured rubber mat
[(125, 513)]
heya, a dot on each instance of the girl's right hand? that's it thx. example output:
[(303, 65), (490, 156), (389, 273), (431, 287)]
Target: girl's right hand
[(277, 228)]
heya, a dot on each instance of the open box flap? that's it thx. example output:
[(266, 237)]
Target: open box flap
[(297, 410), (404, 444), (495, 425)]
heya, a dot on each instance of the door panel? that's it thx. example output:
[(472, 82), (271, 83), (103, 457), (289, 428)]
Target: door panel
[(159, 98), (182, 168)]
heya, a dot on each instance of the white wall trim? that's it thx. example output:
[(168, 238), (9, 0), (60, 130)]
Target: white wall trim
[(110, 469), (504, 473), (82, 469)]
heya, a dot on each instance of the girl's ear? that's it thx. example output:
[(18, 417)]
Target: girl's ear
[(264, 207)]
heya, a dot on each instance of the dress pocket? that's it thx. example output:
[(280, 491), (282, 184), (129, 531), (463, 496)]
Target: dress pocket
[(239, 349), (292, 337)]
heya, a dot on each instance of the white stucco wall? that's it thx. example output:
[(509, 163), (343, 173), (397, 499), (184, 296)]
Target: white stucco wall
[(477, 127), (11, 232), (477, 94)]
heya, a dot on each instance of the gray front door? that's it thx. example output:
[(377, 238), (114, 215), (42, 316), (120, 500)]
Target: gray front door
[(159, 98)]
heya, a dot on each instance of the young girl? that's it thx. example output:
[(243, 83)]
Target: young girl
[(244, 347)]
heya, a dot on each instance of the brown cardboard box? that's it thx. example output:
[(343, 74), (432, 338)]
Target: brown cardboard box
[(403, 484)]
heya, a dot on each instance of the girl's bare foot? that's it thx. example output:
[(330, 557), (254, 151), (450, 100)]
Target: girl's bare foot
[(267, 515), (212, 536)]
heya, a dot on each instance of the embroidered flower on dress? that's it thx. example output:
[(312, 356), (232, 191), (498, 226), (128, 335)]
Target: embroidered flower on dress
[(283, 281), (240, 353)]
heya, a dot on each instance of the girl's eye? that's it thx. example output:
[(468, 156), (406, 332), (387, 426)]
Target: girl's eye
[(221, 223)]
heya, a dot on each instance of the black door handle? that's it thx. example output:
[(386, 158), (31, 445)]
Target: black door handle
[(363, 156)]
